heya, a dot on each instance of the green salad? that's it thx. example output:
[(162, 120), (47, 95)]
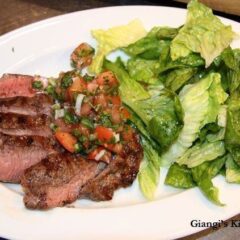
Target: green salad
[(182, 87)]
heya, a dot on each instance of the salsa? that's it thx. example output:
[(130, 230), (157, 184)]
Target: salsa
[(89, 115)]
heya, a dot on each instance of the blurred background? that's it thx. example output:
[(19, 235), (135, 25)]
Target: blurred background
[(17, 13)]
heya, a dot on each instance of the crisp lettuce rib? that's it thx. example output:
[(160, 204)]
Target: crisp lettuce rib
[(197, 102)]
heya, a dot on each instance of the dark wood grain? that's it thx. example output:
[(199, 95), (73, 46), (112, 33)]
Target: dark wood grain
[(17, 13)]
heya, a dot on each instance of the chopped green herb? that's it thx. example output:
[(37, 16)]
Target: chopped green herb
[(70, 118), (78, 147), (88, 78), (112, 140), (82, 139), (37, 85), (66, 81), (50, 90), (85, 52), (53, 127), (87, 123), (106, 120), (76, 133)]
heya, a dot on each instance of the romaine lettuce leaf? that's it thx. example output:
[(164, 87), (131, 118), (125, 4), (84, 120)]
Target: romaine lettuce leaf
[(179, 177), (232, 135), (214, 137), (163, 33), (203, 174), (143, 70), (114, 38), (232, 171), (195, 100), (217, 96), (203, 33), (210, 191), (138, 123), (177, 78), (192, 60), (149, 173), (162, 115), (153, 44), (231, 70), (202, 152)]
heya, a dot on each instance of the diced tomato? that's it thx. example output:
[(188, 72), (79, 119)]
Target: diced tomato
[(83, 130), (116, 148), (125, 114), (100, 100), (92, 86), (79, 85), (107, 78), (92, 155), (115, 113), (67, 140), (82, 55), (64, 127), (115, 100), (127, 134), (85, 109), (104, 134)]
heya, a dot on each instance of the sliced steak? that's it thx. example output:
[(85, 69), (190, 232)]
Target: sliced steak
[(13, 85), (21, 125), (63, 178), (19, 153), (121, 172), (32, 106), (57, 180)]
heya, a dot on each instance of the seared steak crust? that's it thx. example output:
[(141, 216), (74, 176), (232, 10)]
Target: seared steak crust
[(57, 180), (32, 106), (19, 153), (63, 178), (121, 172), (22, 125)]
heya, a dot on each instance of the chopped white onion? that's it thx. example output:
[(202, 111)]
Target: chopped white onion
[(59, 113), (78, 104), (100, 155), (117, 137)]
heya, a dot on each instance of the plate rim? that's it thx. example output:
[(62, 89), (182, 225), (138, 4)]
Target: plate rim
[(55, 19)]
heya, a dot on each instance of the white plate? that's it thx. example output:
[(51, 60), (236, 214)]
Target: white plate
[(44, 48)]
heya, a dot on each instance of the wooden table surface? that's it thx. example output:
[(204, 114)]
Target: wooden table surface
[(17, 13)]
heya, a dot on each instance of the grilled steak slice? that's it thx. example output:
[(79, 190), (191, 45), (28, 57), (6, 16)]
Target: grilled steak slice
[(32, 106), (121, 172), (21, 125), (12, 85), (19, 153), (57, 180), (62, 178)]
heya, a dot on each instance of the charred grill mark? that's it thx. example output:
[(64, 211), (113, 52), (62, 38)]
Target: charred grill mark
[(22, 125)]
